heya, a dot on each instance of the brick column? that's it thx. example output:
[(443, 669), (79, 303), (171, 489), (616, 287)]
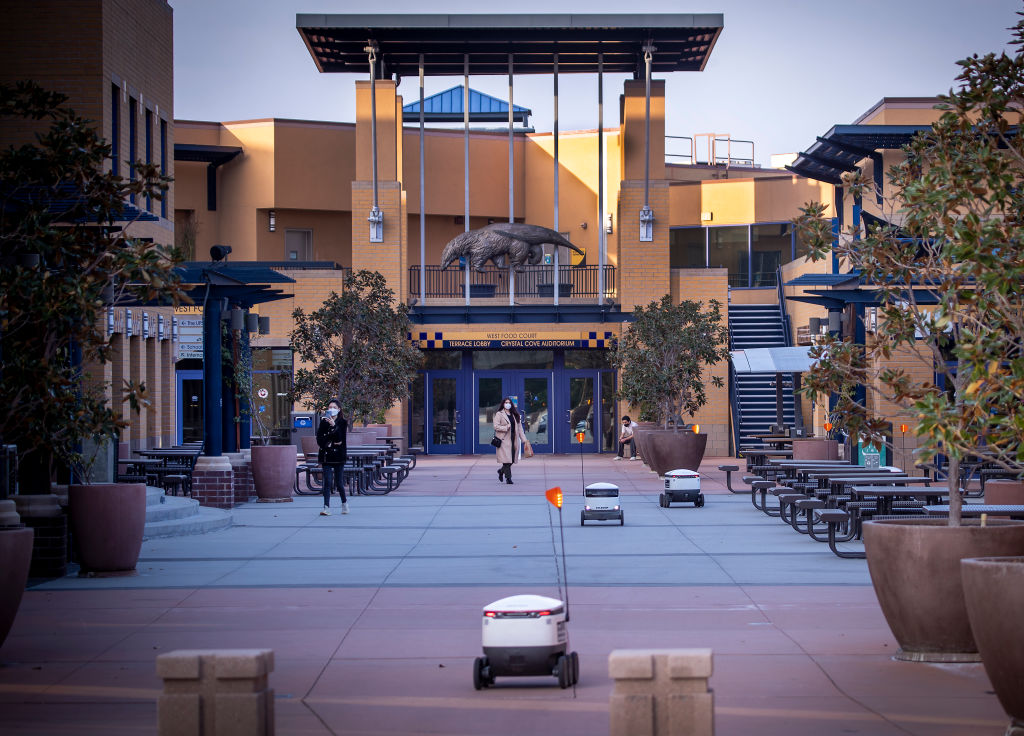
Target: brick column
[(661, 692), (213, 482), (44, 515), (218, 692), (241, 478)]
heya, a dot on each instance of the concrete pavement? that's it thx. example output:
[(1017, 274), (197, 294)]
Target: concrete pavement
[(375, 616)]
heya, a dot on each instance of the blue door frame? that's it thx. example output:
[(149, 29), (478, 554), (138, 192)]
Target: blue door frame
[(180, 408), (447, 420), (531, 390)]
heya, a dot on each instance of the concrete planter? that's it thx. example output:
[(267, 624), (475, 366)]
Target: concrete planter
[(16, 553), (107, 523), (994, 592), (915, 569), (638, 437), (273, 472), (815, 449), (1004, 492), (667, 450)]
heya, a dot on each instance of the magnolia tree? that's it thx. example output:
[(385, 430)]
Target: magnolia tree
[(62, 262), (661, 358), (355, 348), (949, 274)]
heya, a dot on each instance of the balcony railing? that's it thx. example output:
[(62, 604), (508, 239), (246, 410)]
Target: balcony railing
[(493, 282)]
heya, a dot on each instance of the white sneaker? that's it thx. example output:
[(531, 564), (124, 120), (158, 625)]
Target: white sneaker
[(325, 512), (634, 458), (344, 508), (616, 458)]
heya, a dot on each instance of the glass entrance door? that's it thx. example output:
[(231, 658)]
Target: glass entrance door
[(446, 428), (531, 393), (579, 409), (190, 406)]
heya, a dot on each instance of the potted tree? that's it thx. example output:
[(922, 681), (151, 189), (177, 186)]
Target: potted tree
[(662, 357), (947, 275), (355, 348), (63, 264)]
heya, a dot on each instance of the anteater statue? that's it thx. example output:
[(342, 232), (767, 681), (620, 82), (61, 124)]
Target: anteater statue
[(520, 242)]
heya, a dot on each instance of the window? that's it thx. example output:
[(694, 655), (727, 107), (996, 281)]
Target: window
[(513, 359), (163, 164), (450, 360), (298, 245), (115, 129), (149, 150), (583, 359), (771, 246), (271, 381), (727, 248), (133, 132), (688, 247)]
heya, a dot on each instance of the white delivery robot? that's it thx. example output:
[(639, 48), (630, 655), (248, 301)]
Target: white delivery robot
[(601, 503), (525, 635), (683, 486)]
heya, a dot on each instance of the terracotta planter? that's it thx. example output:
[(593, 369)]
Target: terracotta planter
[(638, 437), (668, 450), (815, 449), (994, 591), (107, 522), (915, 568), (1004, 492), (16, 553), (273, 472)]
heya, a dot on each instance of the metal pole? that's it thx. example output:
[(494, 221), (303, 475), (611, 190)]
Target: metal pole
[(511, 184), (376, 217), (646, 215), (601, 239), (423, 198), (465, 153), (555, 286)]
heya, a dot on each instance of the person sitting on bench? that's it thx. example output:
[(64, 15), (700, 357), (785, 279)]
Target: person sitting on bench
[(626, 438)]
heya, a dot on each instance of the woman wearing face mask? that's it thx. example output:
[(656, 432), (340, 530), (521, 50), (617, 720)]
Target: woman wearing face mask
[(330, 436), (508, 427)]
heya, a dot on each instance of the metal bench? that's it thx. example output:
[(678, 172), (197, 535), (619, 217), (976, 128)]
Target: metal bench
[(729, 470)]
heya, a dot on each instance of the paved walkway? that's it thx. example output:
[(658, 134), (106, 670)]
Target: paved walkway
[(374, 617)]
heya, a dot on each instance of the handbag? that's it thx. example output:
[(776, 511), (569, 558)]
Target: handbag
[(527, 449), (496, 441)]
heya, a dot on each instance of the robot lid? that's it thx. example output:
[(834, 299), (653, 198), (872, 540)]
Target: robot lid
[(524, 604), (602, 487), (682, 473)]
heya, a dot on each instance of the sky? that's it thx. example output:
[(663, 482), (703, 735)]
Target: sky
[(782, 72)]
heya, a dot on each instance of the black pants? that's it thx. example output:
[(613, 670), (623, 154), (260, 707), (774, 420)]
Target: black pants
[(334, 477), (622, 447), (506, 469)]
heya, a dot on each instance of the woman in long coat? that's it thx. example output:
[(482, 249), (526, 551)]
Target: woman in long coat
[(508, 427)]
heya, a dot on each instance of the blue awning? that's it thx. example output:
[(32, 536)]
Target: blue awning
[(843, 147), (65, 198), (447, 107), (825, 279)]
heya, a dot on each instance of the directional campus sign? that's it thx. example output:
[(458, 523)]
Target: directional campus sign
[(510, 339)]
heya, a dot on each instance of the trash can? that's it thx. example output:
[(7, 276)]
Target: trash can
[(302, 426)]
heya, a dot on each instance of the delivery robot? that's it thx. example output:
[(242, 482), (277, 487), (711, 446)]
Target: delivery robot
[(601, 503), (523, 636), (682, 486)]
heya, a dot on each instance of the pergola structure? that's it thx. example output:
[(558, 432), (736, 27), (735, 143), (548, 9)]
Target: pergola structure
[(446, 45)]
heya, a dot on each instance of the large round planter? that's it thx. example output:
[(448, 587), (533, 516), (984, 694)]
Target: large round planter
[(107, 522), (273, 472), (994, 591), (1004, 492), (815, 449), (16, 553), (638, 437), (669, 450), (915, 568)]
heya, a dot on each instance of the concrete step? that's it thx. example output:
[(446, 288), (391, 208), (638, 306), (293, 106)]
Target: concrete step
[(206, 520), (171, 507)]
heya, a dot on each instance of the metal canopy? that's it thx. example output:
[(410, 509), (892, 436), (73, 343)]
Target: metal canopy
[(843, 147), (447, 107), (215, 155), (337, 42), (826, 279), (772, 360)]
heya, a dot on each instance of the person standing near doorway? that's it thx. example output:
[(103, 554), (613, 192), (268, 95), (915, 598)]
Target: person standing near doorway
[(627, 437), (508, 427), (331, 438)]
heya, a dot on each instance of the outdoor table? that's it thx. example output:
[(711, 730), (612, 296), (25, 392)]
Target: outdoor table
[(885, 495), (392, 440), (835, 484), (977, 509)]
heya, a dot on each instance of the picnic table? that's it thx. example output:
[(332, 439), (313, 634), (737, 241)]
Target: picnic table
[(885, 495), (977, 509)]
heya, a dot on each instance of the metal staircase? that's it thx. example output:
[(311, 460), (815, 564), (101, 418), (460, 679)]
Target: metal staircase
[(754, 405)]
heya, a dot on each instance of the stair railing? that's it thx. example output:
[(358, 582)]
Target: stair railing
[(787, 331), (734, 399)]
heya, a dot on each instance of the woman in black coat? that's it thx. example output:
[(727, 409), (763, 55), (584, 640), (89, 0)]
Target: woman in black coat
[(330, 437)]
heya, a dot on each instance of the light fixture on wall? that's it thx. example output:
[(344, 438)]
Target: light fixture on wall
[(273, 220), (608, 224), (583, 226)]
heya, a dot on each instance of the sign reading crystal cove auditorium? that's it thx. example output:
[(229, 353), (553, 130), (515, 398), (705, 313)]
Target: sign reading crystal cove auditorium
[(509, 339)]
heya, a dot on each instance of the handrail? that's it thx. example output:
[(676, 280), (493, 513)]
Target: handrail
[(734, 399), (787, 327), (493, 281)]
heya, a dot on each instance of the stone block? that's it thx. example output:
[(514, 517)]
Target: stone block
[(218, 692), (661, 692)]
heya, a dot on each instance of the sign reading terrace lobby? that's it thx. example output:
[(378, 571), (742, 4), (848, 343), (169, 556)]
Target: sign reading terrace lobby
[(528, 340)]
